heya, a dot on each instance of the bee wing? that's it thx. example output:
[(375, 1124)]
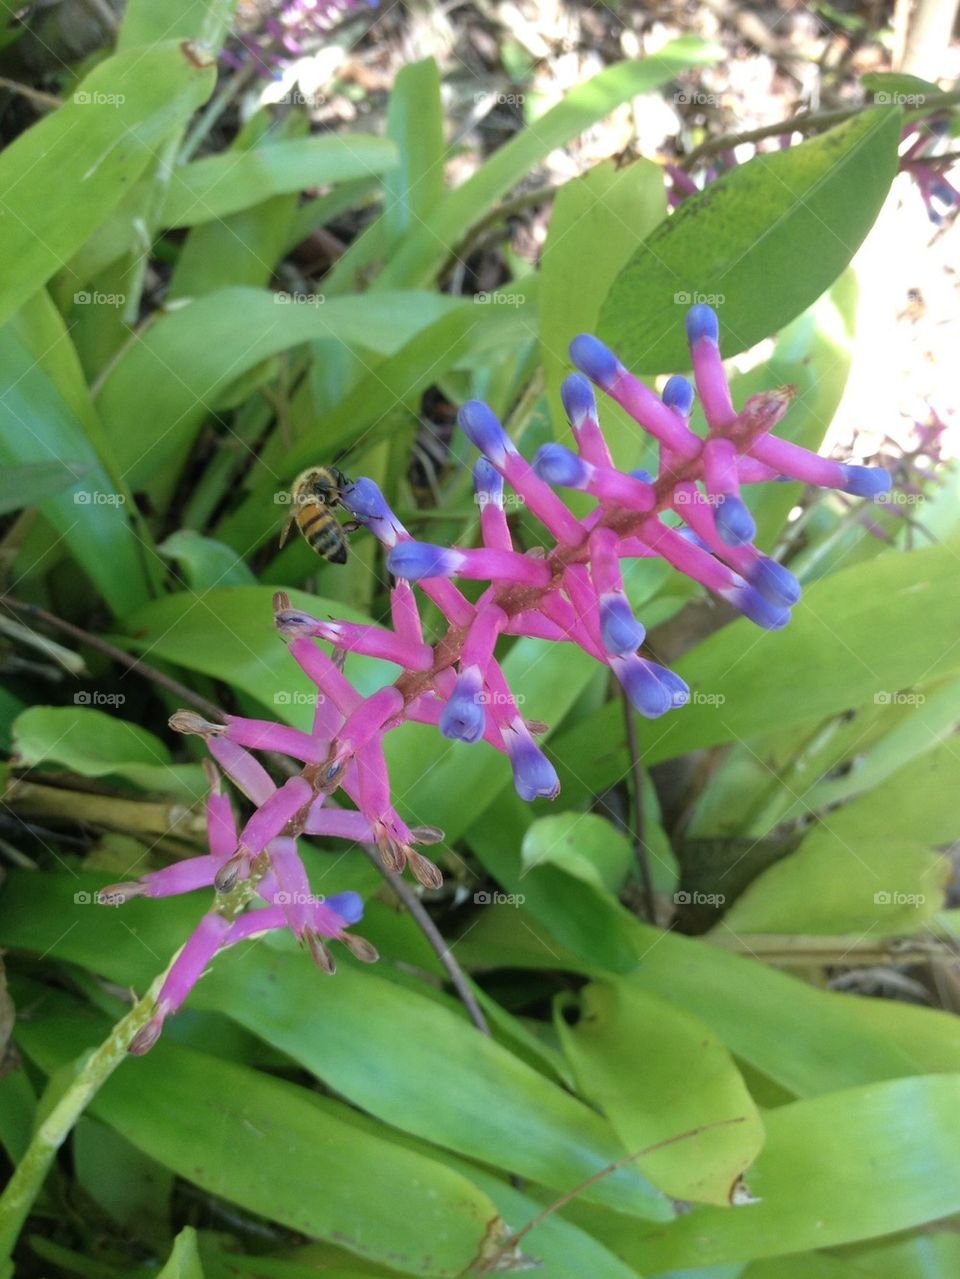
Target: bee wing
[(287, 527)]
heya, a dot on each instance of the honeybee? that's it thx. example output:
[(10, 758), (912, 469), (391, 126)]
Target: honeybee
[(314, 494)]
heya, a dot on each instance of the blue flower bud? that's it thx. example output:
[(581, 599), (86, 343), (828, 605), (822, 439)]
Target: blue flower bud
[(483, 428), (579, 401), (648, 694), (464, 718), (865, 481), (487, 481), (772, 617), (641, 474), (533, 775), (559, 465), (735, 524), (702, 322), (349, 906), (415, 560), (678, 688), (364, 500), (775, 583), (592, 357), (619, 629), (679, 394)]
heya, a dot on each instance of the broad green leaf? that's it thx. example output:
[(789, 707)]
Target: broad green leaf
[(34, 482), (91, 518), (870, 866), (655, 1072), (62, 177), (930, 1255), (132, 1189), (853, 1165), (228, 633), (897, 83), (220, 185), (378, 1044), (761, 243), (191, 356), (146, 22), (598, 220), (586, 845), (415, 124), (184, 1260), (262, 1143), (426, 250), (205, 562), (95, 743), (846, 642)]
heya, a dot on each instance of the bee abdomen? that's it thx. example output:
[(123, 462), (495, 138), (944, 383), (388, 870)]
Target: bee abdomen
[(324, 534)]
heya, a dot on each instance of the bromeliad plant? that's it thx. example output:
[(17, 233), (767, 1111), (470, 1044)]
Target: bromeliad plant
[(571, 591)]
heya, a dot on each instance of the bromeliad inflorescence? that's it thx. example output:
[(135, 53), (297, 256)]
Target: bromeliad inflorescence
[(570, 591)]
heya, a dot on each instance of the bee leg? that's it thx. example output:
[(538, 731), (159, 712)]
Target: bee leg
[(351, 526)]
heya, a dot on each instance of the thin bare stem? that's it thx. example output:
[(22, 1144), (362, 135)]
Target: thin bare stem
[(641, 852), (434, 937)]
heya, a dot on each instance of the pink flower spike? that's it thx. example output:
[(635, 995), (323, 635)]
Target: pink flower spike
[(798, 463), (703, 333), (353, 637), (532, 623), (488, 494), (337, 823), (691, 560), (325, 674), (580, 405), (207, 938), (753, 472), (270, 819), (221, 827), (418, 560), (557, 464), (293, 886), (405, 613), (181, 877), (734, 522), (246, 772), (541, 500), (482, 637), (370, 716), (255, 923), (264, 735)]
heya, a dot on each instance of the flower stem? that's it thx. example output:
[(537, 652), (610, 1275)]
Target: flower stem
[(30, 1174)]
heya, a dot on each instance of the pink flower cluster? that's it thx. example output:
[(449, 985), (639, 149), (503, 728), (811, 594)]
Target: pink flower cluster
[(693, 515)]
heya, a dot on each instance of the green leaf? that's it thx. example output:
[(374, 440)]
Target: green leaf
[(184, 1260), (145, 22), (220, 185), (64, 175), (415, 123), (656, 1072), (206, 562), (597, 222), (377, 1044), (428, 247), (228, 633), (37, 425), (131, 1188), (931, 1255), (762, 242), (852, 1165), (34, 482), (217, 338), (94, 743), (263, 1144), (585, 844)]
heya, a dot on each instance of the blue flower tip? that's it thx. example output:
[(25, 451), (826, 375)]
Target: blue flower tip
[(463, 719), (559, 465), (641, 474), (593, 357), (349, 906), (533, 775), (579, 401), (735, 524), (679, 394), (416, 560), (486, 478), (866, 481), (760, 610), (775, 583), (483, 428), (702, 322), (620, 631), (364, 500)]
